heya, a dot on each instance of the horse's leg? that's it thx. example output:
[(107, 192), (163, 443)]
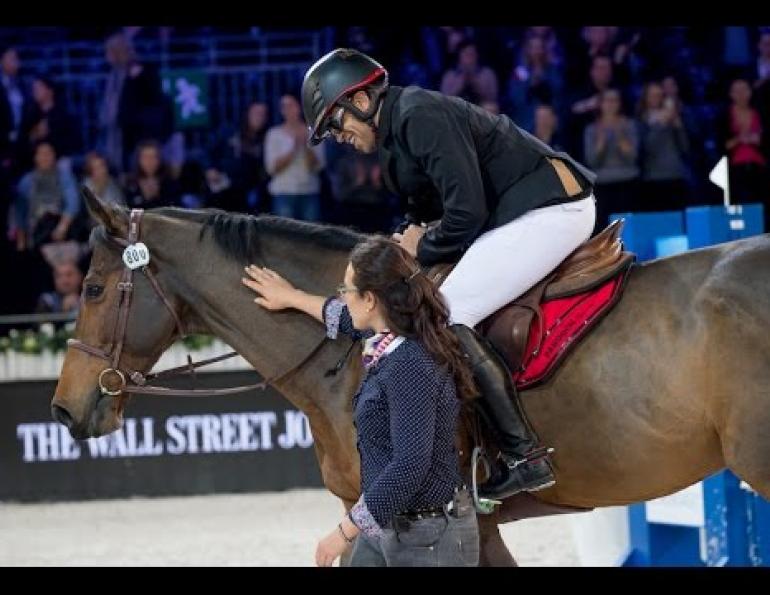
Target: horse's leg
[(492, 548)]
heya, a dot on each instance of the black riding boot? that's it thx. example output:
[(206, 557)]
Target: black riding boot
[(523, 466)]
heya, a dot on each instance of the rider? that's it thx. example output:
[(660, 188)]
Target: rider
[(507, 205)]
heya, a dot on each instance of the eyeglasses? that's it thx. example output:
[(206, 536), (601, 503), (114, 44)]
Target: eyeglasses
[(332, 124), (334, 121), (342, 289)]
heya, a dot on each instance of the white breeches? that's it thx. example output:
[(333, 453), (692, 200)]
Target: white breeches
[(505, 262)]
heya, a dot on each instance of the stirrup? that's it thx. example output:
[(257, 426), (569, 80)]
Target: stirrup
[(482, 505)]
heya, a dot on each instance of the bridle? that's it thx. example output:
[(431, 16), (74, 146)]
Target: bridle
[(136, 256)]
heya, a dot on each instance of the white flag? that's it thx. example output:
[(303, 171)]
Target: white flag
[(719, 175)]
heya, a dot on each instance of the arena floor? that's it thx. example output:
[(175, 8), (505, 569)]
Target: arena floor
[(272, 529)]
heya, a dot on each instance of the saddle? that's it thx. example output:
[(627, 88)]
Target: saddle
[(536, 331)]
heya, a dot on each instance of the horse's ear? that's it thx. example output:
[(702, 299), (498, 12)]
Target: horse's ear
[(113, 217)]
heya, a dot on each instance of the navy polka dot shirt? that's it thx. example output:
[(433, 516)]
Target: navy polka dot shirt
[(405, 414)]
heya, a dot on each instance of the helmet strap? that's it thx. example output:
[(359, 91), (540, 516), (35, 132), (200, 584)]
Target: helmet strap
[(375, 99)]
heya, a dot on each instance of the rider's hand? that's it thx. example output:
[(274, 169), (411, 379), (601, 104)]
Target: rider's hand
[(410, 238), (276, 293)]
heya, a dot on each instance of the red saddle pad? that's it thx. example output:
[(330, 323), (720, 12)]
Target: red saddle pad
[(564, 322)]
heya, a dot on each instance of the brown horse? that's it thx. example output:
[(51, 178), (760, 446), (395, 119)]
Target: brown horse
[(673, 385)]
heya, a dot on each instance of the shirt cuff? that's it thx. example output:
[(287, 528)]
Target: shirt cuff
[(332, 312), (364, 520)]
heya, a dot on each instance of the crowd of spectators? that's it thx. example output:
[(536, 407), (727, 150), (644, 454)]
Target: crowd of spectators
[(649, 109)]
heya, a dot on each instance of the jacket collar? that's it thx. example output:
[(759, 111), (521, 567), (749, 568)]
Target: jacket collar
[(386, 113), (383, 133)]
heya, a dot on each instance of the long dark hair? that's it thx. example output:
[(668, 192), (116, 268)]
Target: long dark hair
[(412, 304)]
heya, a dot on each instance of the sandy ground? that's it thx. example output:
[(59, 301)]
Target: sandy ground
[(271, 529)]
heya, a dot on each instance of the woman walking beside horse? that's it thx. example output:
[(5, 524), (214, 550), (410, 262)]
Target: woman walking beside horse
[(413, 510)]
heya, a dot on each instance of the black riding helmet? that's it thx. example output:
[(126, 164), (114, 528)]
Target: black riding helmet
[(329, 83)]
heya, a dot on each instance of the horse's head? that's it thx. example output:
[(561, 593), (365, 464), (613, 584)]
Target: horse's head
[(89, 397)]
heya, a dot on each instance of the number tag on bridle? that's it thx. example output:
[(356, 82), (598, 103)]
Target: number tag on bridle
[(136, 256)]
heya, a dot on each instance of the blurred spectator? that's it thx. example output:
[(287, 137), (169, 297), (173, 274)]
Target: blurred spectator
[(671, 94), (454, 37), (15, 108), (611, 148), (134, 107), (534, 80), (452, 40), (150, 184), (15, 104), (554, 51), (235, 171), (47, 201), (67, 279), (250, 151), (360, 197), (762, 88), (295, 184), (763, 59), (547, 127), (741, 136), (610, 42), (585, 110), (469, 79), (664, 147), (52, 122), (99, 181), (596, 42), (119, 53), (195, 193)]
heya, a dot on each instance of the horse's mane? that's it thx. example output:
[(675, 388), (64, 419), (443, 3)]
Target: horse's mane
[(238, 234)]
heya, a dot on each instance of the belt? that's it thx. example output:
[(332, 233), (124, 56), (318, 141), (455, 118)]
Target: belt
[(453, 507), (422, 513)]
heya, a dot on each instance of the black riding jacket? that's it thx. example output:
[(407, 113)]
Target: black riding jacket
[(474, 171)]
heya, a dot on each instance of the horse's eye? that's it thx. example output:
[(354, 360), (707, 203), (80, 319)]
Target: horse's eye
[(94, 291)]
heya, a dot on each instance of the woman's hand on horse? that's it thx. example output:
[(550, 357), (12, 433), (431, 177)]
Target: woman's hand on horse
[(276, 293)]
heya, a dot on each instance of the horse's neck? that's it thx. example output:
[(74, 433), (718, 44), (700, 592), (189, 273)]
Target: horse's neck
[(276, 342), (209, 282)]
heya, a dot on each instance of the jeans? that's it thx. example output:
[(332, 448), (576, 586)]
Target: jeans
[(298, 206), (438, 541)]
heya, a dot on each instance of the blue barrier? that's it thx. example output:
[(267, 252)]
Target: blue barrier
[(727, 524), (731, 526), (670, 245), (660, 543), (707, 226), (737, 523)]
